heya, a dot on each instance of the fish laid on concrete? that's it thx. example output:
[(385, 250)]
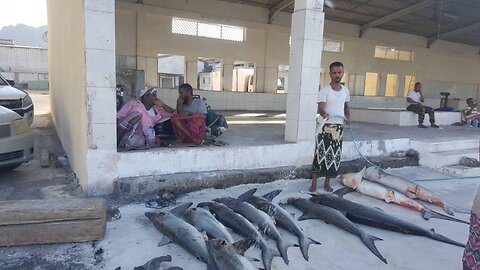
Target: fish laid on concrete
[(355, 181), (283, 219), (204, 221), (332, 216), (377, 218), (225, 255), (243, 227), (264, 222), (412, 190), (179, 231), (155, 264)]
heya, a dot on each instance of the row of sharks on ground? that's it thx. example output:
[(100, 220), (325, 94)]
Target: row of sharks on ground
[(254, 217)]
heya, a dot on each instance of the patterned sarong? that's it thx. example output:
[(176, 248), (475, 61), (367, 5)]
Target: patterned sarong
[(328, 150), (134, 138), (194, 124), (471, 255)]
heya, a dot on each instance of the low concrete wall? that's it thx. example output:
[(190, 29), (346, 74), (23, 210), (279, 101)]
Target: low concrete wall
[(400, 117), (225, 101)]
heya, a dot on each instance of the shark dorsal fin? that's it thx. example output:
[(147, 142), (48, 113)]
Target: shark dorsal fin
[(246, 195), (179, 210), (244, 244), (269, 196), (343, 191)]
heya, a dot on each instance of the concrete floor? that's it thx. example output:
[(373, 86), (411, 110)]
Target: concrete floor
[(132, 240), (263, 128)]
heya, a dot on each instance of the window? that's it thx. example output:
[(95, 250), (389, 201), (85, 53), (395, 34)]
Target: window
[(209, 72), (243, 76), (409, 84), (171, 70), (282, 78), (393, 54), (391, 89), (332, 46), (371, 84), (208, 30)]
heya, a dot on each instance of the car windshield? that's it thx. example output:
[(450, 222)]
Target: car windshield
[(2, 81)]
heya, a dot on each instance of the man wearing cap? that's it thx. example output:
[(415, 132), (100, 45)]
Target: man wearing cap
[(137, 116)]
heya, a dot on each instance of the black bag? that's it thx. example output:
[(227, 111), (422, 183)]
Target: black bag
[(164, 128)]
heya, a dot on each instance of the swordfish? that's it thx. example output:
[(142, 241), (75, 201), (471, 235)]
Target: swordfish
[(264, 222), (316, 211), (356, 182), (283, 219), (410, 189), (376, 218)]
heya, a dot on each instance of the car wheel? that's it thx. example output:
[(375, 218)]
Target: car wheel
[(10, 167)]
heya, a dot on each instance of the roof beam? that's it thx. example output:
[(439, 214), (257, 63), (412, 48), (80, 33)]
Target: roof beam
[(454, 32), (397, 14), (277, 8)]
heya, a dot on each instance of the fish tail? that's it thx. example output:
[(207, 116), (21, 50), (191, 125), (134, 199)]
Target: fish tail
[(428, 213), (441, 238), (369, 241), (267, 256), (450, 209), (305, 244), (282, 247)]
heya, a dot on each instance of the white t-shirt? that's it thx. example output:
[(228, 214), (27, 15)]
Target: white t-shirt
[(335, 102), (151, 112), (416, 96)]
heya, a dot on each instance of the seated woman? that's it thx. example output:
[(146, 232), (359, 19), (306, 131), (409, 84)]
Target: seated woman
[(137, 116), (189, 121)]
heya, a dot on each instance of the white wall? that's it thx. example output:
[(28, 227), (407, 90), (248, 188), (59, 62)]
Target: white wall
[(67, 81), (23, 64), (267, 46)]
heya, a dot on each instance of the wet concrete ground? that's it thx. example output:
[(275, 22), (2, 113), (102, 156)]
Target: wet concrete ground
[(132, 240)]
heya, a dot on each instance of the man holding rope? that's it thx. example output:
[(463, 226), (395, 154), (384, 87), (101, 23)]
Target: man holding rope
[(333, 108)]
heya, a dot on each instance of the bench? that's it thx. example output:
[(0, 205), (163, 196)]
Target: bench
[(400, 116)]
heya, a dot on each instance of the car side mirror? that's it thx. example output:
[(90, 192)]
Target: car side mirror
[(11, 82)]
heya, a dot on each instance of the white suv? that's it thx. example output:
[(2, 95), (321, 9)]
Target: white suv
[(16, 100), (16, 140)]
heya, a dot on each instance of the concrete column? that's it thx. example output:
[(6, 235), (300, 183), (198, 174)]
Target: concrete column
[(401, 85), (191, 71), (227, 75), (151, 73), (382, 84), (305, 59), (100, 93), (271, 76), (260, 79)]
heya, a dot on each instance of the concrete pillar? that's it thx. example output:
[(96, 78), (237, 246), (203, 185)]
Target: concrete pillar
[(305, 59), (382, 84), (191, 71), (260, 79), (227, 75), (151, 73), (401, 84), (100, 93), (271, 76)]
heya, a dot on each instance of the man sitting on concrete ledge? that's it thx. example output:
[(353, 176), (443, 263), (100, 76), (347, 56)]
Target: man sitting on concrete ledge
[(189, 121), (416, 99), (470, 113)]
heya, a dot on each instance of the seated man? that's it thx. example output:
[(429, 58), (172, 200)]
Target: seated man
[(470, 114), (137, 116), (189, 121), (415, 98)]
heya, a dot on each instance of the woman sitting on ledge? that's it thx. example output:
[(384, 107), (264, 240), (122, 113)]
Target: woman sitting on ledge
[(136, 118)]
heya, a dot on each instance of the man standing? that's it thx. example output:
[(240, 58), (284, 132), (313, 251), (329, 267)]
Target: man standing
[(333, 108), (416, 99)]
